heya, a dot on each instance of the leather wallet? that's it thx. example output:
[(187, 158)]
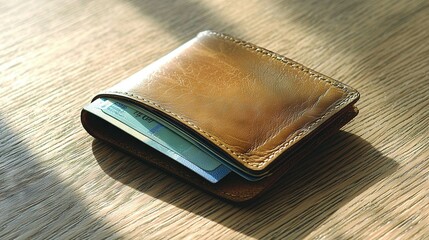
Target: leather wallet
[(260, 112)]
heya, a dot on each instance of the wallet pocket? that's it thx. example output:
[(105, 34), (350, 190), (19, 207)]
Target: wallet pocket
[(258, 111)]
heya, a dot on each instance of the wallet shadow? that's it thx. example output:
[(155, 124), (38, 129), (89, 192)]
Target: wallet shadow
[(332, 175)]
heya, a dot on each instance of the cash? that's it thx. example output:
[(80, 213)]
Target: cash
[(141, 124)]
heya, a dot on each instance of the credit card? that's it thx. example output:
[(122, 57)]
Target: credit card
[(133, 121)]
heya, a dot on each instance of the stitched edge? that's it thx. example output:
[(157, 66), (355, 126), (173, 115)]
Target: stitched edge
[(244, 158), (350, 93), (179, 117)]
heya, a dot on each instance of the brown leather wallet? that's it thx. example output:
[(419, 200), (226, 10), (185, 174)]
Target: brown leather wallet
[(259, 110)]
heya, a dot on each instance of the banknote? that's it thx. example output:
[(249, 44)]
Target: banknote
[(136, 122)]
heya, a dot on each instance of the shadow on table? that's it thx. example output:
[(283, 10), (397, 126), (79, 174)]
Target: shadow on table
[(330, 177), (184, 18), (34, 201)]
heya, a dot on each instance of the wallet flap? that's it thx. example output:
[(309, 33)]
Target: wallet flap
[(250, 103)]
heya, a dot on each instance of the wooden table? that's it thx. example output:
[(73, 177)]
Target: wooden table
[(369, 181)]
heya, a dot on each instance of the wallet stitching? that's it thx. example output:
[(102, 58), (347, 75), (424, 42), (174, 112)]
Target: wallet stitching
[(181, 118), (278, 57), (283, 59), (245, 158)]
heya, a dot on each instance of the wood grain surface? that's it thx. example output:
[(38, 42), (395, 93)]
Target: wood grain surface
[(369, 181)]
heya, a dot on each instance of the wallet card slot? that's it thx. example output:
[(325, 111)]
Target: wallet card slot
[(233, 187), (191, 136)]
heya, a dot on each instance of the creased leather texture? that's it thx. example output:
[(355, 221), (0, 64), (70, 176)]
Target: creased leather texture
[(257, 107), (248, 101)]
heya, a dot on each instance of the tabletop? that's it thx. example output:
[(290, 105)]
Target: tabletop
[(368, 181)]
